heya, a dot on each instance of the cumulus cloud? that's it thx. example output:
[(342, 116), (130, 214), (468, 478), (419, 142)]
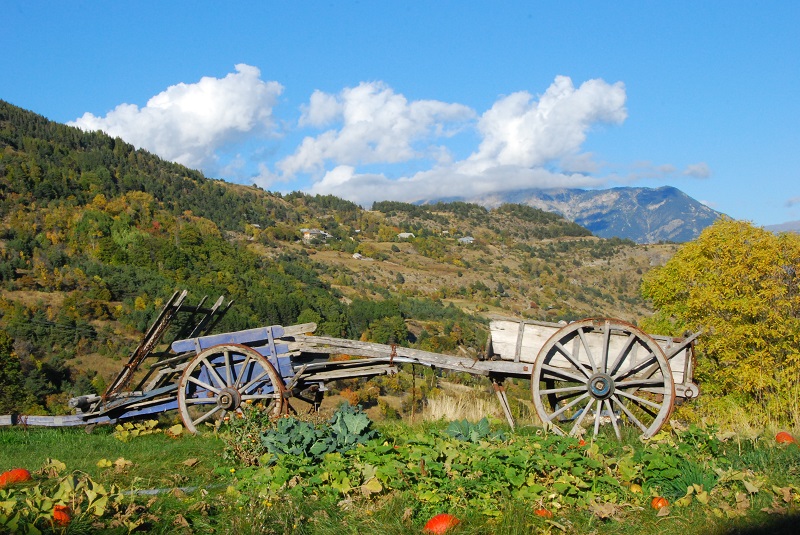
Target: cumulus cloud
[(189, 123), (522, 131), (377, 126), (525, 140), (522, 138)]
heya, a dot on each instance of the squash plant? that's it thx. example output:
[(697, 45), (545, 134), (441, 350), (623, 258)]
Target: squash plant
[(55, 500)]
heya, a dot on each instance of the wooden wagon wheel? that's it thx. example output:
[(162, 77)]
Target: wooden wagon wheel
[(602, 371), (219, 379)]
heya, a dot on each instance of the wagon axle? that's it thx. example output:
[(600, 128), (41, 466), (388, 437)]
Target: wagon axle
[(229, 399), (601, 386)]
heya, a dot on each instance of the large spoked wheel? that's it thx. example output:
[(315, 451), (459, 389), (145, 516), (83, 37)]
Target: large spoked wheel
[(220, 379), (601, 371)]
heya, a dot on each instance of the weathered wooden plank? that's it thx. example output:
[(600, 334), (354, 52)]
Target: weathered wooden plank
[(42, 421), (349, 373), (257, 336), (507, 343), (335, 346)]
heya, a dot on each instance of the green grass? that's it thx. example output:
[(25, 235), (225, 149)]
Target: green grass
[(217, 507), (157, 459)]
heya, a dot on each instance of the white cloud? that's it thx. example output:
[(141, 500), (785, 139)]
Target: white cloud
[(522, 139), (189, 123), (519, 130), (697, 170), (377, 126), (322, 110), (446, 182), (526, 141)]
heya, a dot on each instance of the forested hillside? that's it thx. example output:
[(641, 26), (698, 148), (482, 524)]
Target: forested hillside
[(95, 235)]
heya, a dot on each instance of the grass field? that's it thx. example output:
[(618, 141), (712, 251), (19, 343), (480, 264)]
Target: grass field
[(160, 484)]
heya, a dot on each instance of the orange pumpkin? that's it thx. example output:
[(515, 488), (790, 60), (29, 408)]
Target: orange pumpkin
[(784, 438), (544, 513), (658, 502), (17, 475), (440, 524), (61, 515)]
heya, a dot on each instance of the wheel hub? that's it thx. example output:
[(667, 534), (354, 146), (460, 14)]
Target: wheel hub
[(229, 399), (601, 386)]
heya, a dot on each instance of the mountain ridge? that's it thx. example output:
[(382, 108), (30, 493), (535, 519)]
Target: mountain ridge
[(643, 215)]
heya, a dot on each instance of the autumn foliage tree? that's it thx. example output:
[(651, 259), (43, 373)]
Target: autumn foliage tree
[(740, 285)]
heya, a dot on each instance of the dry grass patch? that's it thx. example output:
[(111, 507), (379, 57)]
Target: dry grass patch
[(471, 406)]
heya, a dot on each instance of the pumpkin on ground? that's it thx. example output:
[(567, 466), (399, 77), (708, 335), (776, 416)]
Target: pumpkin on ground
[(784, 438), (17, 475), (658, 502), (440, 524), (61, 515), (544, 513)]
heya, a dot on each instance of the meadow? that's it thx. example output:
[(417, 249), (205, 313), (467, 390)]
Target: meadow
[(351, 475)]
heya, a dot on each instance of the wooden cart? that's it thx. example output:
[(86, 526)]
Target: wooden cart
[(583, 375)]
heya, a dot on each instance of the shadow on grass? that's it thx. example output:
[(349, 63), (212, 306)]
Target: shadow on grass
[(775, 525)]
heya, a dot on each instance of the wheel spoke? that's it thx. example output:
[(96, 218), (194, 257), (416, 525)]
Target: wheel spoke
[(568, 406), (579, 388), (207, 386), (606, 342), (584, 412), (639, 383), (228, 372), (613, 420), (640, 401), (629, 414), (249, 385), (636, 367), (622, 353), (197, 401), (585, 343), (575, 363), (207, 415), (242, 372), (561, 373), (213, 373), (597, 415), (272, 405)]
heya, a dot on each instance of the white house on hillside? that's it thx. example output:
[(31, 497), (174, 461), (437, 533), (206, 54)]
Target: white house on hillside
[(311, 233)]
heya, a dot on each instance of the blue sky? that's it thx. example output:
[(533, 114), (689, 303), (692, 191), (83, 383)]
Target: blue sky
[(413, 100)]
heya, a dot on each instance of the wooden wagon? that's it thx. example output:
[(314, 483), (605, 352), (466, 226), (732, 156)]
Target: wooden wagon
[(583, 374)]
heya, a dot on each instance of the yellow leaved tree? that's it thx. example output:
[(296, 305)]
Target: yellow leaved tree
[(740, 285)]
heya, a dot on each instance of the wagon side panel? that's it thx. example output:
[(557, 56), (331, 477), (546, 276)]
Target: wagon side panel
[(519, 341)]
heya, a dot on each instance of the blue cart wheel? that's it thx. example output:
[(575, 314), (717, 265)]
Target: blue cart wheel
[(220, 379)]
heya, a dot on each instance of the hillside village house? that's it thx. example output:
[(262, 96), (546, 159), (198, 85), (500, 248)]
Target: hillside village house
[(466, 240), (406, 235), (312, 233)]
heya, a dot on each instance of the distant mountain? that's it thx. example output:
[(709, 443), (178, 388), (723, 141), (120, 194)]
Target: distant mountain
[(644, 215), (790, 226)]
